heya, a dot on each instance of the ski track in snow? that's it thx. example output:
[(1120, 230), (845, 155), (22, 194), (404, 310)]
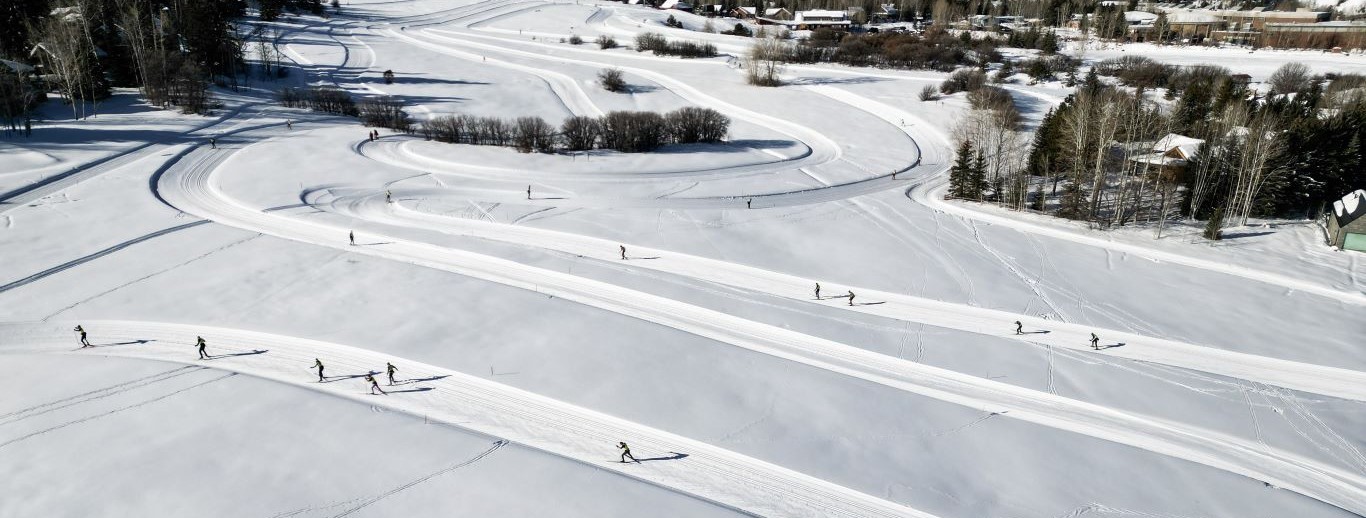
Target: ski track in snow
[(707, 472), (189, 185)]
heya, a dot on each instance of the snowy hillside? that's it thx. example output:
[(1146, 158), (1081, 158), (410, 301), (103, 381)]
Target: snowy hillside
[(541, 308)]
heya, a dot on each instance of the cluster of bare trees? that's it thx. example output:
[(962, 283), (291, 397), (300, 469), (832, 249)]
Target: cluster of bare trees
[(629, 132), (326, 99), (19, 93), (167, 76), (1219, 152), (992, 147), (385, 112), (661, 46), (65, 45)]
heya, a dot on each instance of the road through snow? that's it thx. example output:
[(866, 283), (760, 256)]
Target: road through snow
[(190, 186)]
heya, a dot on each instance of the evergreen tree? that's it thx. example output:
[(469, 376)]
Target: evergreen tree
[(977, 178), (16, 17), (1049, 43), (1214, 226), (961, 172)]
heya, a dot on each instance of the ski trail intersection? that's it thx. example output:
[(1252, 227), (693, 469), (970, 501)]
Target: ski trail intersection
[(190, 185), (191, 181)]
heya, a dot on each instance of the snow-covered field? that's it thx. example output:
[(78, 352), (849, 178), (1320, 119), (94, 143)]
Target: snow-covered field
[(1231, 380)]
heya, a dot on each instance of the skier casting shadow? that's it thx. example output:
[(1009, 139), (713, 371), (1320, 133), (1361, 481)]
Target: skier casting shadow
[(673, 455)]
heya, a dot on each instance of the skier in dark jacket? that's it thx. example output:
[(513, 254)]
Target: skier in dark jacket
[(374, 385), (626, 452), (352, 235), (1019, 328), (818, 291), (851, 298), (201, 344), (391, 369), (319, 365), (623, 252), (81, 331), (1095, 341)]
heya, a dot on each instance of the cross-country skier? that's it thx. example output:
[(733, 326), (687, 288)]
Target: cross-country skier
[(818, 291), (1095, 341), (1019, 328), (626, 453), (319, 365), (528, 192), (201, 344), (352, 235), (81, 331), (374, 385), (289, 124), (388, 196), (749, 204), (851, 298), (391, 369), (213, 143), (623, 252)]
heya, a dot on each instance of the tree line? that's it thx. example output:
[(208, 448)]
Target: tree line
[(171, 49), (625, 131), (1286, 153)]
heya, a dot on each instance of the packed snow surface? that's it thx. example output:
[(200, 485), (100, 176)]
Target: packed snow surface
[(542, 308)]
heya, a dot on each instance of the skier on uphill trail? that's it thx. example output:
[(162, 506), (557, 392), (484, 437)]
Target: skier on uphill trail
[(81, 331), (626, 453), (374, 385)]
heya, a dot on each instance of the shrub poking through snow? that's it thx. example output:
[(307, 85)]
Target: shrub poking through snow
[(611, 80), (965, 80), (606, 42), (929, 93)]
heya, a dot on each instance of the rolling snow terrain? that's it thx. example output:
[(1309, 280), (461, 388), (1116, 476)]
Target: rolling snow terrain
[(663, 299)]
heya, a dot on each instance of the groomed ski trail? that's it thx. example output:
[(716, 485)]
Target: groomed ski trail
[(1306, 377), (189, 185), (704, 471)]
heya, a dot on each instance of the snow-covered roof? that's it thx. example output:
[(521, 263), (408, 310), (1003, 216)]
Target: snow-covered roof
[(1158, 159), (1191, 17), (1139, 17), (1350, 207), (1189, 147), (820, 14), (16, 66)]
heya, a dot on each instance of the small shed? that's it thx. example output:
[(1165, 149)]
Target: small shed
[(1346, 223)]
